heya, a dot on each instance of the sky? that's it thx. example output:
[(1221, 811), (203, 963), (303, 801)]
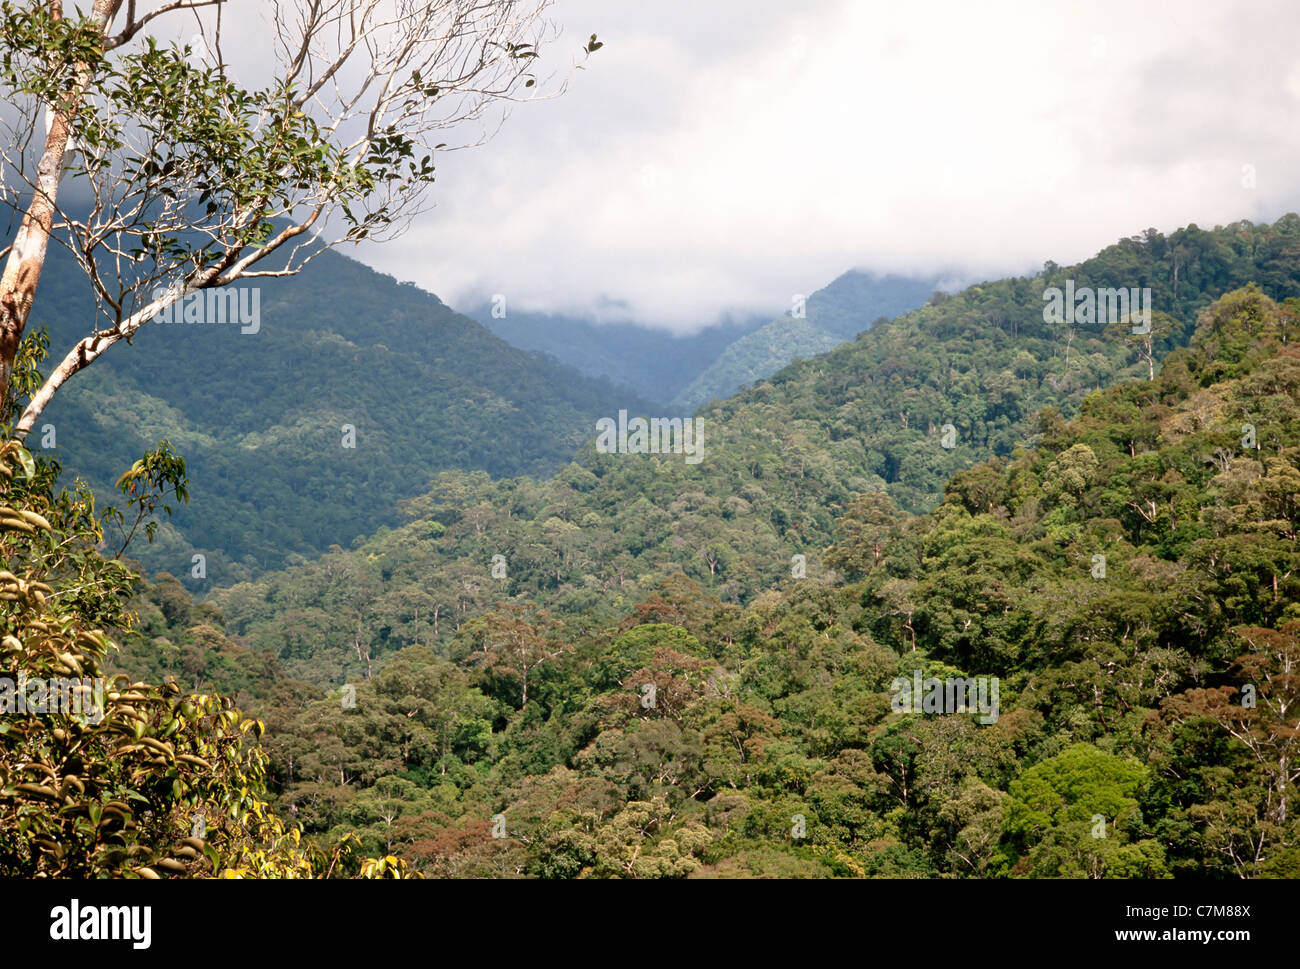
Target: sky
[(724, 156)]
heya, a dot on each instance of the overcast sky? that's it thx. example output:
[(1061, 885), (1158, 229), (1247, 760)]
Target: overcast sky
[(727, 154)]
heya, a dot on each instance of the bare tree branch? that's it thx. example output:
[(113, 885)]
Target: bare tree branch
[(192, 182)]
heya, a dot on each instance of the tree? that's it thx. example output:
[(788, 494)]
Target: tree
[(194, 181), (1145, 340), (109, 777), (862, 534), (1072, 814), (1253, 817), (509, 644), (976, 816)]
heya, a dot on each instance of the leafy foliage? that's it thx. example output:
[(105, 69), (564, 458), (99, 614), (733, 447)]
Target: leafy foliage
[(648, 691), (260, 429), (678, 734), (102, 775)]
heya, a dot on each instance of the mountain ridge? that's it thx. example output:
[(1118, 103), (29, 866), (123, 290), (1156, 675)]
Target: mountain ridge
[(784, 460), (263, 433)]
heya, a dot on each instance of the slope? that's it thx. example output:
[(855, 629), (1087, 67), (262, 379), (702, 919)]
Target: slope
[(1127, 593), (840, 311), (654, 363), (260, 415), (781, 462)]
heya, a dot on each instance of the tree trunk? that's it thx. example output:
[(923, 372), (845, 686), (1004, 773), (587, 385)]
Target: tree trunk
[(27, 256)]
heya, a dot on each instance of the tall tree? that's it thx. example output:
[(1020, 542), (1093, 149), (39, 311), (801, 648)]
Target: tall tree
[(192, 181)]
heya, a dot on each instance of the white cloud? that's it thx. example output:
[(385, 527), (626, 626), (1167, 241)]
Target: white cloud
[(728, 154)]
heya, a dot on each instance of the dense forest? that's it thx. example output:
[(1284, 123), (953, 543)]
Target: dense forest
[(645, 668), (420, 461), (837, 312), (272, 476), (783, 461), (654, 363)]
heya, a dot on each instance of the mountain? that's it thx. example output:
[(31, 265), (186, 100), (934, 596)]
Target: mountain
[(1110, 602), (851, 304), (754, 357), (260, 416), (899, 411), (680, 373), (654, 363)]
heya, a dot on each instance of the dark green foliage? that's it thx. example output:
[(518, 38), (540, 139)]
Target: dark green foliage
[(782, 462), (258, 416), (851, 304), (770, 743), (648, 691)]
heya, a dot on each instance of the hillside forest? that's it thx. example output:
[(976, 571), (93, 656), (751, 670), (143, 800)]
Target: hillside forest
[(640, 667)]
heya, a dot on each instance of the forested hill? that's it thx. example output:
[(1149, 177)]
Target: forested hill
[(1131, 585), (781, 462), (840, 311), (259, 415), (653, 362), (680, 373)]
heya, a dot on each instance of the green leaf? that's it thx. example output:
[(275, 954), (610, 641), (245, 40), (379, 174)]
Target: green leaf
[(29, 465)]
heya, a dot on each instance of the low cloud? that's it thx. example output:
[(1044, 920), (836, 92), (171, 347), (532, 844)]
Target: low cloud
[(728, 155)]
